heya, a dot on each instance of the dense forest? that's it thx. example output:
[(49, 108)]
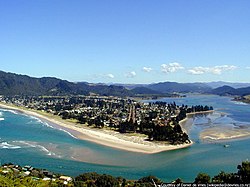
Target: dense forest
[(14, 84), (92, 179)]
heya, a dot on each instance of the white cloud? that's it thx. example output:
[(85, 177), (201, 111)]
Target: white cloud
[(198, 70), (102, 76), (131, 74), (171, 67), (147, 69), (220, 69), (217, 70), (110, 76), (248, 67)]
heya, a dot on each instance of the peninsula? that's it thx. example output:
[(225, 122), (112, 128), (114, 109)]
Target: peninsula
[(111, 121)]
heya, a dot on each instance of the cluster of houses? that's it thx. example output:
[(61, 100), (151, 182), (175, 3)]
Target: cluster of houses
[(98, 110), (36, 174), (158, 120)]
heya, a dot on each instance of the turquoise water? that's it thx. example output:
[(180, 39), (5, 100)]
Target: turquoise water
[(26, 140)]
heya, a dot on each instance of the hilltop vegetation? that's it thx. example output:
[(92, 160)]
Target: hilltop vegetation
[(228, 90), (14, 175), (14, 84)]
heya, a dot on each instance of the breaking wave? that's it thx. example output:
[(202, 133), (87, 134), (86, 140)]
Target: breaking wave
[(51, 126), (68, 133), (6, 145), (7, 110), (34, 145)]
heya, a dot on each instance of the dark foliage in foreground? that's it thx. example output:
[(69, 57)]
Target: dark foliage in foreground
[(92, 179)]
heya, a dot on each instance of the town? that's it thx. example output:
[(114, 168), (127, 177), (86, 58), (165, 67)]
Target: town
[(158, 120)]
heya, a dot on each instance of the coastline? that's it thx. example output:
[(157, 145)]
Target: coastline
[(223, 133), (187, 122), (104, 137)]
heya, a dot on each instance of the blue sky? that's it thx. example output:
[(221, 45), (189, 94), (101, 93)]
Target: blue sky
[(127, 41)]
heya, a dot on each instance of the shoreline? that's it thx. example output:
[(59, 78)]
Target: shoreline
[(222, 134), (201, 112), (187, 122), (103, 137), (225, 134)]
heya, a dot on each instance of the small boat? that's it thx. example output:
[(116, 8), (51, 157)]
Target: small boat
[(226, 145)]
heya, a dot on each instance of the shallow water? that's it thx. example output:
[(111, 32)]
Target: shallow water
[(26, 140)]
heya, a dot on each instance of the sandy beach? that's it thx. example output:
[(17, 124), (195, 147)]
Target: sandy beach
[(214, 133), (134, 143), (225, 133), (186, 124)]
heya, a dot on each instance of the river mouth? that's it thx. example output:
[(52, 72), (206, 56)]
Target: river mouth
[(58, 151), (216, 127)]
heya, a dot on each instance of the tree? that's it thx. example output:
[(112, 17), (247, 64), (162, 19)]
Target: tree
[(177, 128), (106, 181), (82, 119), (202, 178), (79, 184), (177, 181), (223, 177), (149, 181), (244, 172), (87, 176), (90, 184), (124, 182), (206, 108)]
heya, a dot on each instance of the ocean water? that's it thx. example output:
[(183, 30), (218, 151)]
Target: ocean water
[(26, 140)]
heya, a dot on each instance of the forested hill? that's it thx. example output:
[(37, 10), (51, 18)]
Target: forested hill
[(14, 84), (228, 90)]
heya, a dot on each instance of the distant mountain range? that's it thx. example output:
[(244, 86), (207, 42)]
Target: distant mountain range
[(171, 87), (14, 84), (231, 84), (228, 90)]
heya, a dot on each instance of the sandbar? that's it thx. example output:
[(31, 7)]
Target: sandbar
[(223, 133)]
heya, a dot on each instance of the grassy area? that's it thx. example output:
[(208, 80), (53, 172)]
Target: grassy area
[(136, 134)]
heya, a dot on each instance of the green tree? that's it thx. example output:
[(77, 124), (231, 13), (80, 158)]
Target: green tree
[(124, 182), (223, 177), (244, 172), (149, 181), (177, 181), (106, 181), (202, 178), (87, 176)]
